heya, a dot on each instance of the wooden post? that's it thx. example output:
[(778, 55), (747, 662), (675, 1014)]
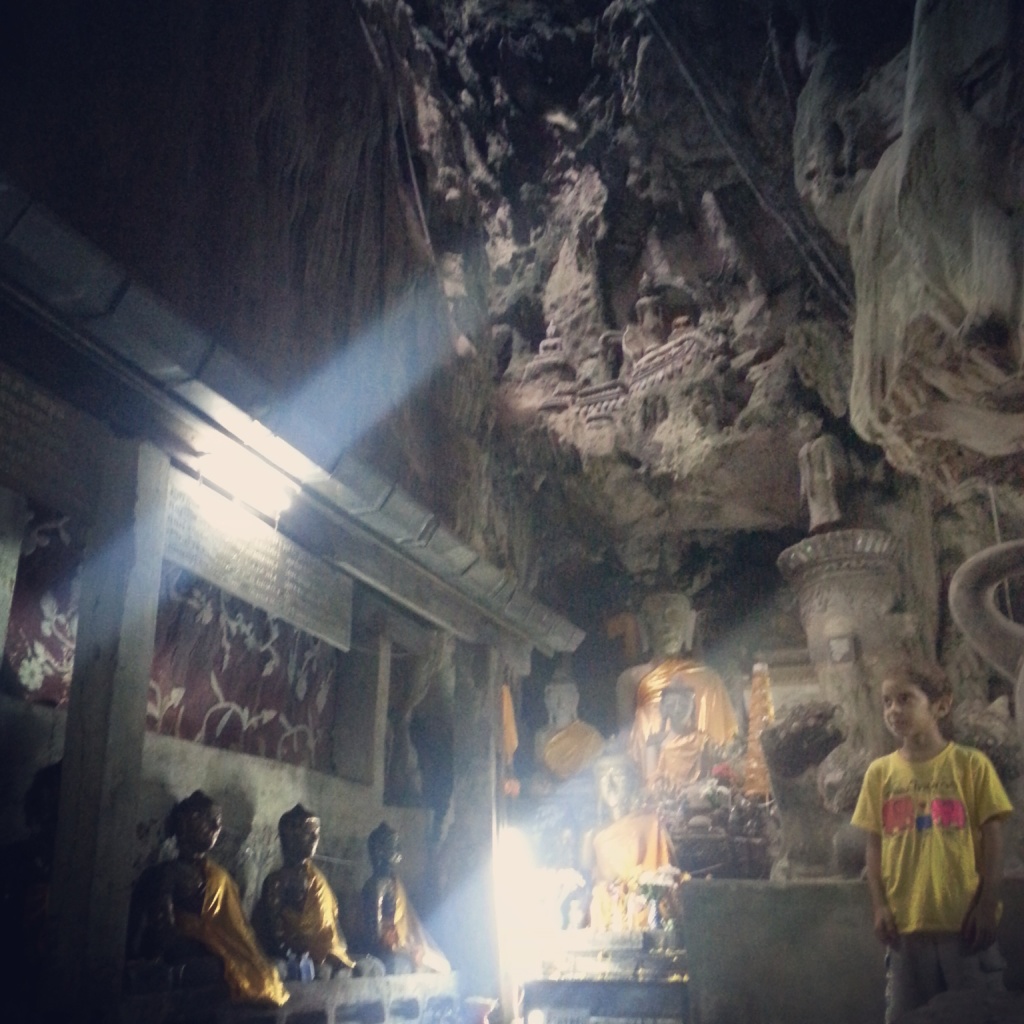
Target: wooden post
[(106, 725), (469, 925), (380, 720), (13, 516)]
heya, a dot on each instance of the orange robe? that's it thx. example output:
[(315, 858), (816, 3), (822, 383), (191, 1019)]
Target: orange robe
[(413, 939), (571, 749), (222, 928), (634, 843), (314, 929), (715, 717)]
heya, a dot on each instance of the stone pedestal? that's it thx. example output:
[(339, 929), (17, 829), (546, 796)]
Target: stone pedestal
[(848, 583)]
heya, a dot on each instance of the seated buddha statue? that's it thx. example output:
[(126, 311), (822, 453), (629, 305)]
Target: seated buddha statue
[(566, 745), (394, 932), (668, 618), (625, 844), (297, 912), (188, 912)]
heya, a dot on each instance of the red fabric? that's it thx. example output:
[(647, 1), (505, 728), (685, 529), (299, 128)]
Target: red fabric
[(40, 646), (224, 673), (228, 675)]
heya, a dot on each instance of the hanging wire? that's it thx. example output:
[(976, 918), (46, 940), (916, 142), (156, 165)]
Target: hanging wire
[(819, 262)]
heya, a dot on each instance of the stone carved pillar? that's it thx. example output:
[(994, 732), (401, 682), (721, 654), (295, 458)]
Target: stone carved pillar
[(848, 583)]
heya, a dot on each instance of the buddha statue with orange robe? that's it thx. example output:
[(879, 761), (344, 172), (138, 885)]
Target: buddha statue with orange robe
[(626, 845), (394, 932), (297, 912), (190, 912), (669, 619), (566, 745)]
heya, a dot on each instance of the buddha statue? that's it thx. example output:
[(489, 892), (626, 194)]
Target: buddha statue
[(394, 933), (824, 476), (566, 745), (669, 621), (625, 844), (297, 912), (188, 912)]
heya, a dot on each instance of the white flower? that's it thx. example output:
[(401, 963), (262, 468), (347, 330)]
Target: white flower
[(31, 674)]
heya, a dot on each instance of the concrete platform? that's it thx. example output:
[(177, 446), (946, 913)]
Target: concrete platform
[(800, 952)]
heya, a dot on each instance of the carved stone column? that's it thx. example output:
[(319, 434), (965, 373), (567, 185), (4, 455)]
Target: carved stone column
[(848, 583)]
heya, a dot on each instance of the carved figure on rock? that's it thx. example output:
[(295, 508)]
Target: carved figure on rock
[(933, 813), (649, 332), (188, 912), (394, 933), (297, 913), (935, 243), (566, 745), (824, 473)]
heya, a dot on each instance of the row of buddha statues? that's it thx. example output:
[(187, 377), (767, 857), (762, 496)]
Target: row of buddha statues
[(187, 926)]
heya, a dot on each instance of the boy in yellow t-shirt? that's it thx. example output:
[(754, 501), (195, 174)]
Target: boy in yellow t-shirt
[(933, 812)]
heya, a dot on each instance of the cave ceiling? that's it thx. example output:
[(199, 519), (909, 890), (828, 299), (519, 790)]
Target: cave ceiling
[(611, 243)]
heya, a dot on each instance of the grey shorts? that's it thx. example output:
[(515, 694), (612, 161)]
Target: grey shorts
[(926, 964)]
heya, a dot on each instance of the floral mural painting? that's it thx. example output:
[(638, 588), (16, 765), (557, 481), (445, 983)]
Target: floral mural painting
[(228, 675), (224, 673), (39, 651)]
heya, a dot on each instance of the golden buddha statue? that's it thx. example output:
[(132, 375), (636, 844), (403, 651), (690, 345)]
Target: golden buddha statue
[(191, 912), (566, 745), (394, 932), (297, 912), (626, 844), (669, 621)]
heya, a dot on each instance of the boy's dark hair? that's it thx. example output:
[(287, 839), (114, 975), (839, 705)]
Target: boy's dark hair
[(929, 678)]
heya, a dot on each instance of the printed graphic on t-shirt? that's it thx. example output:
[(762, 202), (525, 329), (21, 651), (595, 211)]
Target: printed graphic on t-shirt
[(901, 814)]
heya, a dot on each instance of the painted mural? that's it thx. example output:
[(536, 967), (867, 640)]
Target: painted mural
[(224, 673)]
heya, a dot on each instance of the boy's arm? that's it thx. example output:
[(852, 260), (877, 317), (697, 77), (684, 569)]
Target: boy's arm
[(884, 922), (979, 927)]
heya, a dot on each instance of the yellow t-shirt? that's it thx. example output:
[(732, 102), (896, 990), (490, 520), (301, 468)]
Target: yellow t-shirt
[(929, 815)]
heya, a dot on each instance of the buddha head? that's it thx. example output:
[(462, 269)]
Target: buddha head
[(384, 849), (616, 782), (562, 700), (669, 621), (195, 823), (299, 831)]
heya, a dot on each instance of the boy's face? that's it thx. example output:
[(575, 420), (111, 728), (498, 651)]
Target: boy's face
[(908, 711)]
